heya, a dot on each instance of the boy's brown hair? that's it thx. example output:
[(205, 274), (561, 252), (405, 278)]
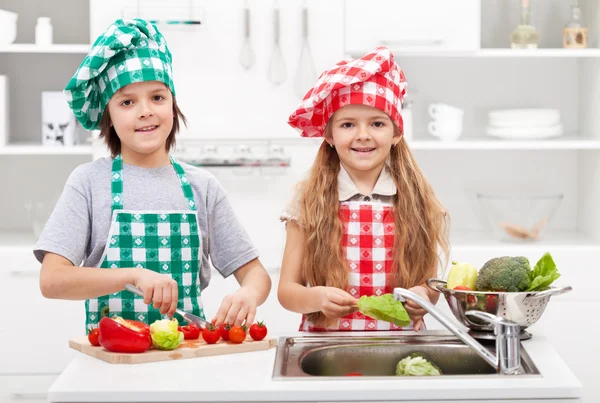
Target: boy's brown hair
[(107, 131)]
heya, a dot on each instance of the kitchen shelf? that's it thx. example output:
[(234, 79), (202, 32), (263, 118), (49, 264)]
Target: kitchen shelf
[(491, 53), (565, 143), (33, 48), (465, 241), (38, 149), (17, 241)]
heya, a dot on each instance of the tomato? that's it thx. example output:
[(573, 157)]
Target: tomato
[(124, 336), (237, 334), (211, 334), (93, 336), (258, 331), (225, 331), (354, 374), (491, 303), (462, 288), (190, 332)]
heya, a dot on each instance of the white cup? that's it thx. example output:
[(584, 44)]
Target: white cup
[(8, 27), (446, 129), (444, 111)]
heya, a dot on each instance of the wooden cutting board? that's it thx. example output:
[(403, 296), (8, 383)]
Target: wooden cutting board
[(187, 349)]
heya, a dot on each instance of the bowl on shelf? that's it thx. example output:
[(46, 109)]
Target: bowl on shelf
[(519, 217)]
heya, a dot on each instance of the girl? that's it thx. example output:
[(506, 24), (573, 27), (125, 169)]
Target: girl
[(365, 220), (141, 217)]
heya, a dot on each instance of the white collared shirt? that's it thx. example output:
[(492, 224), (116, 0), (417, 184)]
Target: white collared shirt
[(383, 191)]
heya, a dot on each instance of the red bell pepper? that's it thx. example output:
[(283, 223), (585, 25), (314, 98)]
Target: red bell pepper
[(190, 331), (124, 336)]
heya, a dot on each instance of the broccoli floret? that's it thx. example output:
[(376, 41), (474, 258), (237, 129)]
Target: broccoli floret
[(506, 273), (416, 364)]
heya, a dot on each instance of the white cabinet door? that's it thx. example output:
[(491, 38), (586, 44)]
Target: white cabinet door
[(25, 389), (572, 328), (401, 24), (35, 338)]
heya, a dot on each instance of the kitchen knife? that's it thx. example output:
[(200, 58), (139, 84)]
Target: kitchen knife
[(185, 315)]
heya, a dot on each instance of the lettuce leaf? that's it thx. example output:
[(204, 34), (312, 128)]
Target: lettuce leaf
[(165, 335), (416, 365), (385, 308), (543, 274)]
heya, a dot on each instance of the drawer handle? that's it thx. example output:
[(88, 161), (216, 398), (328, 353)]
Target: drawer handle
[(24, 273), (30, 396)]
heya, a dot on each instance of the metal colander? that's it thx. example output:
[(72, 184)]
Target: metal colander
[(523, 308)]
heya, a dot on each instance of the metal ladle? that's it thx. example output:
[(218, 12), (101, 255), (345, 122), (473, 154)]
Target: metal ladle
[(247, 57), (277, 72)]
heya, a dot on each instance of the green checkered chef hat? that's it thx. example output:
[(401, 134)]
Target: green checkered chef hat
[(129, 51)]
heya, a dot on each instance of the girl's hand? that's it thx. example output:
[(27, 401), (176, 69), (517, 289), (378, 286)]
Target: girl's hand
[(336, 303), (236, 308), (415, 311), (160, 289)]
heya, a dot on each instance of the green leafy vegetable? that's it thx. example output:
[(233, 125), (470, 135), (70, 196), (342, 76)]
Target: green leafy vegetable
[(543, 274), (165, 335), (416, 364), (385, 308)]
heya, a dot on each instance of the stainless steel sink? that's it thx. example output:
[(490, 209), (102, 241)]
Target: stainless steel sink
[(336, 356)]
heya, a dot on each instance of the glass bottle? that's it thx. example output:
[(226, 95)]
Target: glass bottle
[(524, 36), (575, 34)]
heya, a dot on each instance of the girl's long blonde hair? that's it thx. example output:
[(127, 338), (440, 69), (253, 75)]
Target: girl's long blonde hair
[(421, 224)]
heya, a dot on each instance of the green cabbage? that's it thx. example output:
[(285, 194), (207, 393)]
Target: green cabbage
[(165, 335), (385, 308), (416, 365)]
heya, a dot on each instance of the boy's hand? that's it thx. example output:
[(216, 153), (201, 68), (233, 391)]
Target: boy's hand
[(160, 289), (414, 310), (237, 308), (336, 303)]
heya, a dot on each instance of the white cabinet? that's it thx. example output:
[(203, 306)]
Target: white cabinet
[(25, 389), (409, 24), (35, 339)]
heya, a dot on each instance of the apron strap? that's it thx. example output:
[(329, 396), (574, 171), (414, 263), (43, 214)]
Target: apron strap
[(116, 185)]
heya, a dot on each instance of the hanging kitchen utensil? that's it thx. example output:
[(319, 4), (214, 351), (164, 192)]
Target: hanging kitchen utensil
[(277, 73), (306, 74), (247, 54)]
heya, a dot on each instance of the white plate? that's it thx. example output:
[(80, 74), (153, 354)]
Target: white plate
[(525, 133), (524, 117)]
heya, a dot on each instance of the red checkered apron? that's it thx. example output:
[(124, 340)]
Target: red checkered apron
[(368, 242)]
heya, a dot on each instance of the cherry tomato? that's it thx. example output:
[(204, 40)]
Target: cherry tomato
[(237, 334), (258, 331), (462, 288), (211, 334), (354, 374), (190, 332), (225, 327), (93, 336)]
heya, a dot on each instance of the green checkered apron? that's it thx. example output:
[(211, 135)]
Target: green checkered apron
[(167, 242)]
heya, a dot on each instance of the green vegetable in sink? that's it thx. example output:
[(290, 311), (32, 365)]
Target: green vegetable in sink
[(416, 364), (543, 274), (504, 273), (384, 307)]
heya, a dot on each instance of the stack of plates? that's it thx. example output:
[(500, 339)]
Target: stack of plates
[(521, 124)]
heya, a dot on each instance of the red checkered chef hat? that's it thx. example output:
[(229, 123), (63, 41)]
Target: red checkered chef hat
[(374, 80)]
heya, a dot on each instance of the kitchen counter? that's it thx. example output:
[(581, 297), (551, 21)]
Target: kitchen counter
[(248, 377)]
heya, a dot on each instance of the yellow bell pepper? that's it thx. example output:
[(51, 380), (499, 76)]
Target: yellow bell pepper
[(463, 274)]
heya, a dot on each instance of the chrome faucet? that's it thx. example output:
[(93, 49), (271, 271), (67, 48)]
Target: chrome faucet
[(507, 360)]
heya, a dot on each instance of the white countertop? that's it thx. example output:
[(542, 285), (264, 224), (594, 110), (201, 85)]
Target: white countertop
[(248, 377)]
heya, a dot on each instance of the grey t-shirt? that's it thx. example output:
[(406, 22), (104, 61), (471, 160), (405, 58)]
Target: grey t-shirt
[(79, 225)]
